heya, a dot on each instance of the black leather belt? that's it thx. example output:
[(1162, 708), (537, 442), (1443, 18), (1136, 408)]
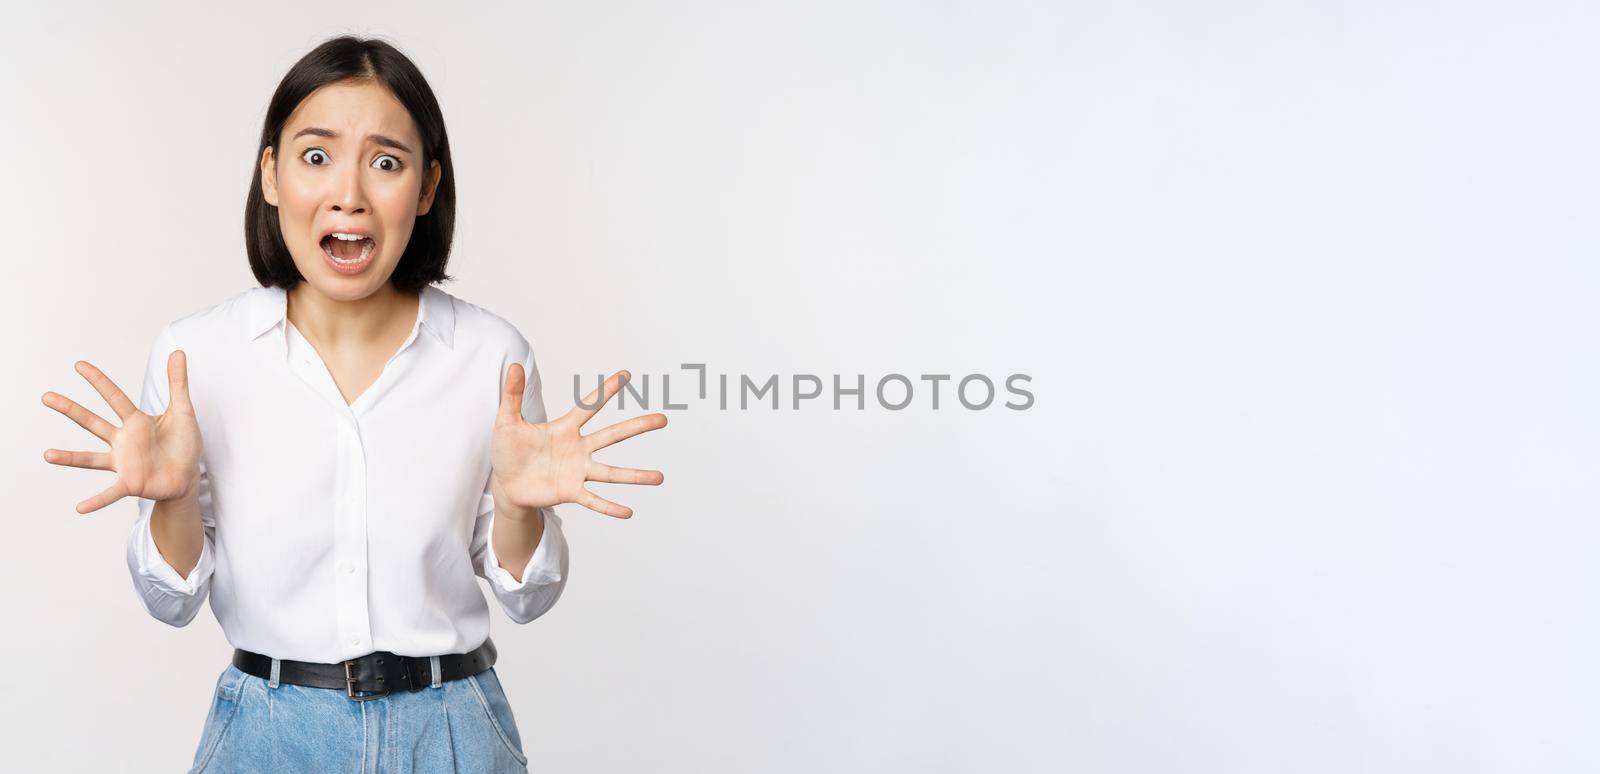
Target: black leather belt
[(371, 676)]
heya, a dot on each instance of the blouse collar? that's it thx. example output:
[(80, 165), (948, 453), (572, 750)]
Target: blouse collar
[(268, 306)]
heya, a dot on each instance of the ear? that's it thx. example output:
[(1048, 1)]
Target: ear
[(269, 177), (430, 186)]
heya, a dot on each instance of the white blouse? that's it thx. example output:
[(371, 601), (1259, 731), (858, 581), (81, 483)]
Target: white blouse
[(335, 530)]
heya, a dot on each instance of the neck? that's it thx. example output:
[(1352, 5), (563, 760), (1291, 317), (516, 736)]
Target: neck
[(360, 322)]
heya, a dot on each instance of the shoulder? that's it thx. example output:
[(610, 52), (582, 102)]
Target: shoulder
[(232, 316), (480, 329), (208, 337)]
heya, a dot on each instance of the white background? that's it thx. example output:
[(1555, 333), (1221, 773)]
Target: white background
[(1307, 291)]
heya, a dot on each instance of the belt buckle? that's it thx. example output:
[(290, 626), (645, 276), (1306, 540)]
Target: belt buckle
[(350, 686)]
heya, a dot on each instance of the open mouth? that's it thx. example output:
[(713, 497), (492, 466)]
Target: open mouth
[(347, 248)]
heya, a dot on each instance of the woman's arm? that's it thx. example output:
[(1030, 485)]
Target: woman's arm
[(176, 525), (537, 585), (517, 532), (173, 584), (520, 550), (170, 550), (537, 464), (518, 529), (156, 455)]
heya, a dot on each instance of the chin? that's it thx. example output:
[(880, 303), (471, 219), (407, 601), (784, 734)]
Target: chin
[(346, 287)]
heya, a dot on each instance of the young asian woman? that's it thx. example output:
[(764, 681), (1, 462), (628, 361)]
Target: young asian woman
[(335, 456)]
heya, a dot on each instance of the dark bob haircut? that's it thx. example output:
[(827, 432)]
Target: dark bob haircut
[(344, 59)]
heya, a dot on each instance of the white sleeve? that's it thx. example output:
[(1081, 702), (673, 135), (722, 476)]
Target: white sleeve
[(546, 574), (168, 596)]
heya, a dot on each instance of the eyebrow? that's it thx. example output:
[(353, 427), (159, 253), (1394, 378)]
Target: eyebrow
[(380, 139)]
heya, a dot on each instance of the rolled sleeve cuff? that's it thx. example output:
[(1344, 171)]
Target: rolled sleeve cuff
[(154, 568), (544, 567)]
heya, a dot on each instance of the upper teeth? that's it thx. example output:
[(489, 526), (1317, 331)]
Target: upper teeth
[(346, 237)]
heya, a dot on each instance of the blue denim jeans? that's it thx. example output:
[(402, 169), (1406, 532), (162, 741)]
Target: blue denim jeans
[(260, 725)]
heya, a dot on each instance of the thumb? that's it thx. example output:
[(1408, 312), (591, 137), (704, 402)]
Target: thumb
[(178, 380), (511, 395)]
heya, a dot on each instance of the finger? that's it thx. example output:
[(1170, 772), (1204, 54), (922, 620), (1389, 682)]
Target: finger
[(600, 439), (511, 391), (178, 379), (599, 471), (593, 402), (78, 459), (601, 505), (85, 418), (113, 394), (110, 495)]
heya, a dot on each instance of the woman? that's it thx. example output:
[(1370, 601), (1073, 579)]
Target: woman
[(372, 444)]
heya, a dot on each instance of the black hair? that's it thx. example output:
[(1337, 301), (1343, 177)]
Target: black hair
[(348, 58)]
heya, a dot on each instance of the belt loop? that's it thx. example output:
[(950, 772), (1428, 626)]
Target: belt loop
[(273, 681), (433, 662)]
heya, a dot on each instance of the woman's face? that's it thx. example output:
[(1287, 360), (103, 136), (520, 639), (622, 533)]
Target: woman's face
[(348, 163)]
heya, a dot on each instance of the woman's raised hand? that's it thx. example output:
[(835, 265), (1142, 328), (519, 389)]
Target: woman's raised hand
[(542, 464), (157, 458)]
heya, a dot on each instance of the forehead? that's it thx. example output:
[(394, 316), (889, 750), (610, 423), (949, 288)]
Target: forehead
[(354, 110)]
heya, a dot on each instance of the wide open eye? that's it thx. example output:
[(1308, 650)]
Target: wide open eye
[(393, 164), (314, 153)]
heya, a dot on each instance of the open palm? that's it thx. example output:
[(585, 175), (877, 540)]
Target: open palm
[(539, 464), (157, 458)]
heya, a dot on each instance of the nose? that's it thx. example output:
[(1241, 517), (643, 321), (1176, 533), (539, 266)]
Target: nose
[(348, 195)]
